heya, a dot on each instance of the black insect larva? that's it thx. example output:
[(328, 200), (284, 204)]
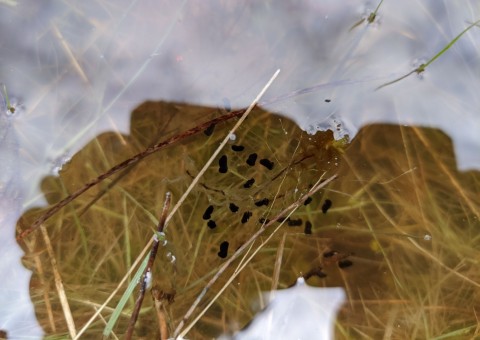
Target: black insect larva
[(249, 183), (326, 205), (212, 224), (344, 264), (261, 202), (223, 166), (208, 212), (295, 223), (308, 201), (238, 148), (223, 250), (246, 216), (266, 163), (209, 130), (252, 158), (233, 208), (308, 228)]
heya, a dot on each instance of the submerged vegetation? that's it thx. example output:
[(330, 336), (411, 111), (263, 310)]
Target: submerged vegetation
[(386, 216), (396, 229)]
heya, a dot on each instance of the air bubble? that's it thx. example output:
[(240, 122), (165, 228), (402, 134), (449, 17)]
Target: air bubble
[(427, 237), (232, 137), (160, 236), (171, 257), (148, 279), (13, 107), (59, 162)]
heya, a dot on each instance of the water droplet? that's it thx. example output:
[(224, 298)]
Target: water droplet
[(171, 257), (159, 237), (311, 130)]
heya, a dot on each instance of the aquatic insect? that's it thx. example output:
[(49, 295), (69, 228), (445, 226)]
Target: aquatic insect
[(238, 148), (223, 166), (267, 163), (252, 158), (208, 212), (243, 188), (223, 249), (249, 183), (326, 205)]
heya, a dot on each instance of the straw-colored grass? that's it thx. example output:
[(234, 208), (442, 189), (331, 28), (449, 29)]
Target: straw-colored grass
[(119, 224), (398, 187)]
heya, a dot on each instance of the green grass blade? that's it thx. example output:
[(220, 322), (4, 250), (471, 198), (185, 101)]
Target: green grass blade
[(450, 44), (128, 292), (422, 67), (370, 18)]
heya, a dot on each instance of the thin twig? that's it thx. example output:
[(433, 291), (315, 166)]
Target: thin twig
[(245, 246), (138, 157), (148, 271), (159, 297)]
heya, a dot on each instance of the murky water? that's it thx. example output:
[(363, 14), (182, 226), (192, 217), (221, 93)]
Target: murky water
[(399, 218), (404, 210)]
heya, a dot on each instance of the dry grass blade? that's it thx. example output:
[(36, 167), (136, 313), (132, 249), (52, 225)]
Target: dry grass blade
[(278, 263), (59, 285), (68, 51)]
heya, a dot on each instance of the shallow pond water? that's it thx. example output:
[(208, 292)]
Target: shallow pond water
[(404, 210)]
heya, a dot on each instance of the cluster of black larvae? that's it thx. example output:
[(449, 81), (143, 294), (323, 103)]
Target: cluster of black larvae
[(250, 187)]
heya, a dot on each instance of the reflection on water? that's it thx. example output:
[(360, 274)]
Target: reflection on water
[(79, 70), (367, 230)]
